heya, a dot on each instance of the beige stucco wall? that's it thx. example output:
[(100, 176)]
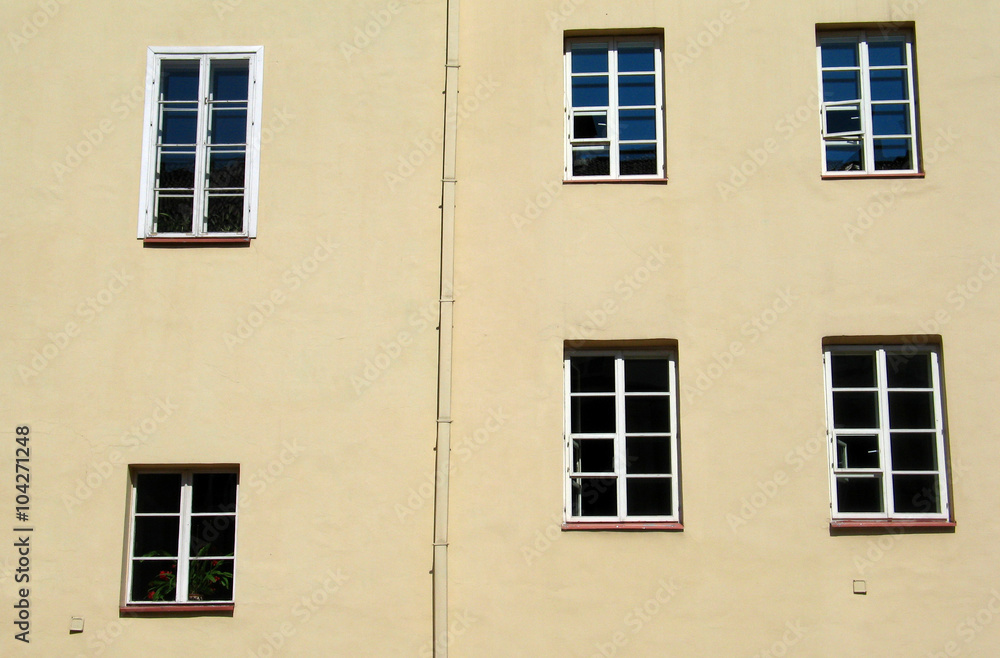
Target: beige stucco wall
[(348, 234)]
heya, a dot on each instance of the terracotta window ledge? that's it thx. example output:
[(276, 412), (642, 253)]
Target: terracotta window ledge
[(236, 240), (902, 174), (846, 524), (605, 181), (155, 609)]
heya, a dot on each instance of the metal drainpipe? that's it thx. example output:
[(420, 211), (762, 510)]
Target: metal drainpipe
[(445, 337)]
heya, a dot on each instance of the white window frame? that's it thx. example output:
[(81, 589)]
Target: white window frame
[(619, 437), (184, 558), (147, 197), (864, 135), (612, 109), (883, 353)]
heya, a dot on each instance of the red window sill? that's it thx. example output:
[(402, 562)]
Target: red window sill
[(846, 524), (160, 609), (673, 526), (903, 174), (605, 181), (239, 240)]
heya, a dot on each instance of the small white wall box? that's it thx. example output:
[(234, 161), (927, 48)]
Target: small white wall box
[(76, 624), (860, 587)]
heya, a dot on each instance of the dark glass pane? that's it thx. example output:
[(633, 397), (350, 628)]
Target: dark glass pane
[(593, 415), (154, 580), (595, 497), (908, 370), (230, 80), (225, 214), (592, 374), (911, 410), (647, 454), (590, 126), (176, 169), (916, 494), (839, 54), (210, 580), (891, 85), (156, 536), (845, 119), (638, 159), (179, 124), (213, 536), (174, 214), (594, 455), (844, 156), (179, 81), (890, 120), (886, 53), (857, 451), (893, 154), (647, 413), (229, 126), (852, 370), (636, 90), (647, 375), (648, 496), (637, 124), (856, 494), (591, 161), (855, 409), (590, 60), (590, 91), (226, 170), (915, 451), (158, 492), (636, 58), (841, 86), (214, 492)]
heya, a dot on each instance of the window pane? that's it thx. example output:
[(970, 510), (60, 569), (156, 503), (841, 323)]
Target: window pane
[(174, 214), (916, 494), (225, 214), (176, 169), (179, 124), (890, 85), (158, 493), (890, 120), (229, 126), (636, 90), (886, 53), (156, 536), (592, 374), (844, 156), (154, 580), (915, 451), (213, 492), (230, 80), (210, 580), (841, 86), (638, 160), (594, 455), (855, 409), (647, 454), (857, 451), (179, 80), (839, 54), (647, 414), (648, 496), (911, 410), (590, 126), (590, 59), (843, 119), (892, 154), (647, 375), (859, 494), (226, 169), (593, 415), (591, 161), (852, 370), (213, 536), (908, 371), (636, 58), (595, 497), (590, 91), (637, 124)]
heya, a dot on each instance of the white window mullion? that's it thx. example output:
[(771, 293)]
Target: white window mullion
[(867, 125), (613, 109), (939, 436), (674, 470), (884, 437), (568, 442), (184, 540), (620, 461), (201, 149)]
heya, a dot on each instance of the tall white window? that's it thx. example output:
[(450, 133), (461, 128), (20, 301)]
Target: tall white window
[(201, 143), (886, 430), (621, 436), (182, 536), (869, 109), (614, 108)]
